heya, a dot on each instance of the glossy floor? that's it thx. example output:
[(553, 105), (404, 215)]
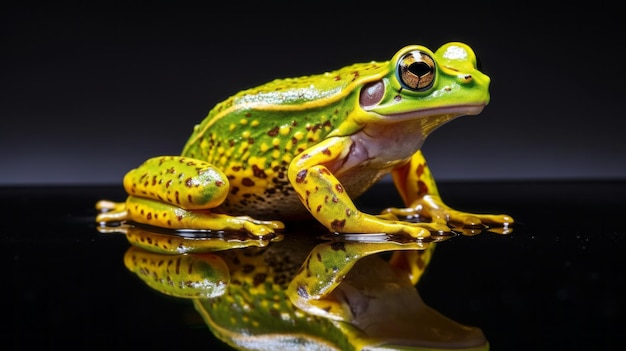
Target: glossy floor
[(554, 283)]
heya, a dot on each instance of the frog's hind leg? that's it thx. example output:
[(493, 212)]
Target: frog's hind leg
[(419, 191), (176, 192)]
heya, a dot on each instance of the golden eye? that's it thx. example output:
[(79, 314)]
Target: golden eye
[(416, 71)]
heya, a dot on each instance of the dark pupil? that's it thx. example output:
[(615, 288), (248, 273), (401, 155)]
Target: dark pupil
[(419, 68)]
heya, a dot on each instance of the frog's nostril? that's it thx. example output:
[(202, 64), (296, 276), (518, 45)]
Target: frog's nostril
[(372, 93)]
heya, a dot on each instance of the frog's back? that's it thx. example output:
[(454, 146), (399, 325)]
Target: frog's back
[(300, 104), (253, 135), (307, 91)]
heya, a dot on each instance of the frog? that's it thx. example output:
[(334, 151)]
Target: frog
[(307, 147), (243, 295)]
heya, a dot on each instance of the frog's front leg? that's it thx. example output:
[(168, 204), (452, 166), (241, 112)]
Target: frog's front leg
[(417, 187), (178, 193), (311, 175)]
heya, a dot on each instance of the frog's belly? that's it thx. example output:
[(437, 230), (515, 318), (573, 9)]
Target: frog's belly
[(272, 205), (283, 203)]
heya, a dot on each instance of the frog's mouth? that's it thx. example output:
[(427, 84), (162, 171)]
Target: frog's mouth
[(426, 120), (447, 112)]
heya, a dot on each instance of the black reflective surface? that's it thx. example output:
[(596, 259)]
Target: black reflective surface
[(556, 282)]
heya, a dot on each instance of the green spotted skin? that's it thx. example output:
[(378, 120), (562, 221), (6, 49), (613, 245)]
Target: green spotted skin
[(255, 304), (240, 293), (162, 178), (308, 146), (244, 295), (296, 148), (254, 135), (189, 276)]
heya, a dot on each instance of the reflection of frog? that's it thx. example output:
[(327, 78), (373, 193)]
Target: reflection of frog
[(312, 144), (242, 293)]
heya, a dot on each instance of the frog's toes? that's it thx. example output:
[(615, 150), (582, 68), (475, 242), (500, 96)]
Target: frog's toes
[(436, 227), (112, 216), (260, 228), (398, 212), (472, 220), (110, 211), (388, 216), (469, 221), (421, 230), (107, 206), (416, 229)]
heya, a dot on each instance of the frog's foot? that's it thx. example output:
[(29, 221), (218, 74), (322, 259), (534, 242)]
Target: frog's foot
[(432, 208), (388, 223), (370, 227), (110, 211), (254, 226), (164, 215)]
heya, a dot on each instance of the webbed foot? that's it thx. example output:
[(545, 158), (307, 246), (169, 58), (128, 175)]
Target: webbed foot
[(167, 216), (433, 209)]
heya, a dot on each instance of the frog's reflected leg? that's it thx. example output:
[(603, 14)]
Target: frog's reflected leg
[(178, 193), (327, 200), (412, 263), (419, 192), (313, 289), (185, 276)]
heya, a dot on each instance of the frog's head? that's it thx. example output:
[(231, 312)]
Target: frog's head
[(433, 87)]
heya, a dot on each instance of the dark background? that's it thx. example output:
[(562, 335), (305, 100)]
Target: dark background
[(88, 93)]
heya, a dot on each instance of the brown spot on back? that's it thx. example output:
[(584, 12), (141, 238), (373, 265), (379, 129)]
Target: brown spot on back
[(259, 278), (258, 172), (273, 132)]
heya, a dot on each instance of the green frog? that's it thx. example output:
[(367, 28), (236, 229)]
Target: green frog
[(243, 295), (309, 146)]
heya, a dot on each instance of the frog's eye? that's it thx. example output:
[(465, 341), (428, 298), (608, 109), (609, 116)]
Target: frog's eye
[(416, 71)]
